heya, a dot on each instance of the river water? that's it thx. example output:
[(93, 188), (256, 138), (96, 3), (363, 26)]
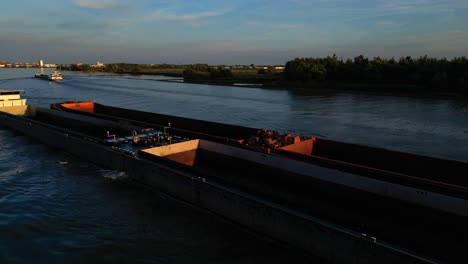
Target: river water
[(56, 208)]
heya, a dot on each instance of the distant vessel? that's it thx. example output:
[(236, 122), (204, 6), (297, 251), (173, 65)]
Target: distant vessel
[(42, 76), (55, 76)]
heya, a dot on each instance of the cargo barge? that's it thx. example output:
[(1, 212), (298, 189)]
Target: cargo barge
[(431, 182), (272, 185)]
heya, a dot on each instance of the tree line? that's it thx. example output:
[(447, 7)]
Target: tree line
[(114, 67), (450, 75), (129, 68), (193, 71), (203, 71), (439, 74)]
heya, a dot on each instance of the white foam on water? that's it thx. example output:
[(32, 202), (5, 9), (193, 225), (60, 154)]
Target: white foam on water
[(113, 174)]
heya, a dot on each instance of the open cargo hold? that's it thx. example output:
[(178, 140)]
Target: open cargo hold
[(398, 167), (179, 124), (435, 169), (288, 182)]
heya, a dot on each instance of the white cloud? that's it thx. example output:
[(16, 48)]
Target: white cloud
[(96, 4), (192, 17)]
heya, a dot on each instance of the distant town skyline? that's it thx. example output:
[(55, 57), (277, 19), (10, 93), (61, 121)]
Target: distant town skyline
[(232, 32)]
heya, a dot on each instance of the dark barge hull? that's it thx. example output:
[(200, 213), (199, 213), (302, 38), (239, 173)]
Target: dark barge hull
[(315, 236), (425, 174), (407, 180), (437, 169), (42, 76)]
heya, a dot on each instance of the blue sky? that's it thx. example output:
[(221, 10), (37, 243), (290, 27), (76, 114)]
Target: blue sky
[(228, 32)]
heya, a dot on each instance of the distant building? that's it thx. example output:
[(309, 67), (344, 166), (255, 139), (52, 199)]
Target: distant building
[(98, 65), (269, 67), (41, 63), (4, 64)]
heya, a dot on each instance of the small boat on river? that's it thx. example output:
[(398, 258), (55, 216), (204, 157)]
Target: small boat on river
[(55, 76)]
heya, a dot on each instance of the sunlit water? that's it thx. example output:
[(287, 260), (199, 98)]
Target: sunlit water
[(57, 208)]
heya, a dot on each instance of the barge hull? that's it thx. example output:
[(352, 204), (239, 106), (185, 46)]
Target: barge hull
[(420, 172), (316, 237)]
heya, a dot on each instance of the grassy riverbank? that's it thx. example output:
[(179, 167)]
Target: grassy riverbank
[(128, 68), (419, 75)]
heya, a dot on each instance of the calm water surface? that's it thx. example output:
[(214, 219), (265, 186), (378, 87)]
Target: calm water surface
[(56, 208)]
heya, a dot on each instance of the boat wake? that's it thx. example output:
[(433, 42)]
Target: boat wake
[(113, 174), (14, 79)]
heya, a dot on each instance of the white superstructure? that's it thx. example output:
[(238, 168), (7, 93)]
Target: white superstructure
[(11, 98), (56, 76)]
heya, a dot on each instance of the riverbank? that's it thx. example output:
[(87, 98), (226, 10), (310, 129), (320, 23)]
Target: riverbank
[(409, 75), (252, 79), (164, 72), (275, 80)]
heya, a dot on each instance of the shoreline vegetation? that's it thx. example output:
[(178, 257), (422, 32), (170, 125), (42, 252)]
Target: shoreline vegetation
[(406, 74)]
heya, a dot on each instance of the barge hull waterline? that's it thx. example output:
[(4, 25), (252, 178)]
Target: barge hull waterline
[(307, 233)]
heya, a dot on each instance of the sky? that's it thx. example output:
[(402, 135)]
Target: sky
[(228, 32)]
